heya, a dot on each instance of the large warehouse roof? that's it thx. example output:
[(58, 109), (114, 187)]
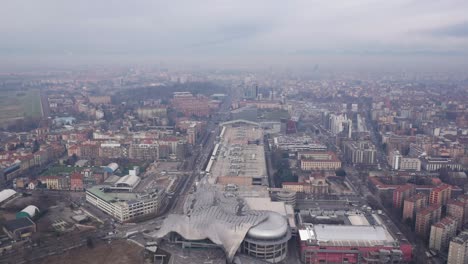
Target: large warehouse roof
[(344, 235), (128, 180), (6, 194)]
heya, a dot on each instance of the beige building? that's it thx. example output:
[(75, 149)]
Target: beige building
[(309, 165), (425, 218), (413, 205), (441, 233), (413, 164), (456, 209), (458, 249), (293, 186), (317, 160)]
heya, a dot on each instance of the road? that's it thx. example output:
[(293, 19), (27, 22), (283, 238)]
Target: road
[(196, 163)]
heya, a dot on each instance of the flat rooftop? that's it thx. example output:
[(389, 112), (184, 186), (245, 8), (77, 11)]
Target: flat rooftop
[(112, 196), (240, 154), (347, 235)]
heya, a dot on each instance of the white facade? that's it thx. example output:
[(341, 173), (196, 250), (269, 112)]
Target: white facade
[(125, 210), (410, 164), (395, 159)]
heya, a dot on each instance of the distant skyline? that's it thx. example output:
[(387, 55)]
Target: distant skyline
[(399, 33)]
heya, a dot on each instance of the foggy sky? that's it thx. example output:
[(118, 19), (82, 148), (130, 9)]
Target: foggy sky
[(234, 32)]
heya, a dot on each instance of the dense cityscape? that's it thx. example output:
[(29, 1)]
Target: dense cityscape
[(177, 166), (234, 132)]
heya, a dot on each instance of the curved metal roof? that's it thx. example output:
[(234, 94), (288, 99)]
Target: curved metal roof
[(113, 166), (31, 210), (6, 194), (128, 180), (275, 226), (224, 220)]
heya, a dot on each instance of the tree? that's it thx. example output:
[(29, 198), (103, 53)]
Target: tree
[(409, 222), (35, 146), (340, 172), (89, 242)]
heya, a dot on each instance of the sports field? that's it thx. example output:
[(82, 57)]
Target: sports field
[(19, 104)]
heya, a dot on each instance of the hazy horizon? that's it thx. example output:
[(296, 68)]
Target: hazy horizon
[(399, 34)]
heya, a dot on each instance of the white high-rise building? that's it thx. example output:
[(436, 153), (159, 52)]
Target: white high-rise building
[(338, 123), (394, 159)]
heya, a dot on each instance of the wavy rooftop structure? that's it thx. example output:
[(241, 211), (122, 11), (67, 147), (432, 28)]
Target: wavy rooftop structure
[(226, 221)]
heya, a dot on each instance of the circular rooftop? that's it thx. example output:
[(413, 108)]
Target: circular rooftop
[(274, 227)]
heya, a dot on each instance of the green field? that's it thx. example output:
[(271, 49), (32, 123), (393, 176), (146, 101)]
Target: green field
[(19, 104)]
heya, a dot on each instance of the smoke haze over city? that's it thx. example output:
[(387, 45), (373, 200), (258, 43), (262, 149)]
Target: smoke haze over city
[(354, 33)]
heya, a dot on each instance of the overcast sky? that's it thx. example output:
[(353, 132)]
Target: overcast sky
[(239, 30)]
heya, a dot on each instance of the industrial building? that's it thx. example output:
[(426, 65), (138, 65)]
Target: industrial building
[(30, 211), (111, 168), (125, 206), (6, 195), (19, 229), (126, 183), (359, 238)]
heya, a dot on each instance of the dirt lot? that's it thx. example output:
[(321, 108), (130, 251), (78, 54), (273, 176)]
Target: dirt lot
[(118, 252)]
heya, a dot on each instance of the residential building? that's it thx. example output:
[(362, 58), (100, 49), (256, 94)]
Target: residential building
[(425, 218), (401, 193), (76, 182), (410, 164), (112, 150), (441, 194), (360, 152), (89, 150), (441, 233), (414, 204), (456, 210), (144, 151), (458, 249)]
